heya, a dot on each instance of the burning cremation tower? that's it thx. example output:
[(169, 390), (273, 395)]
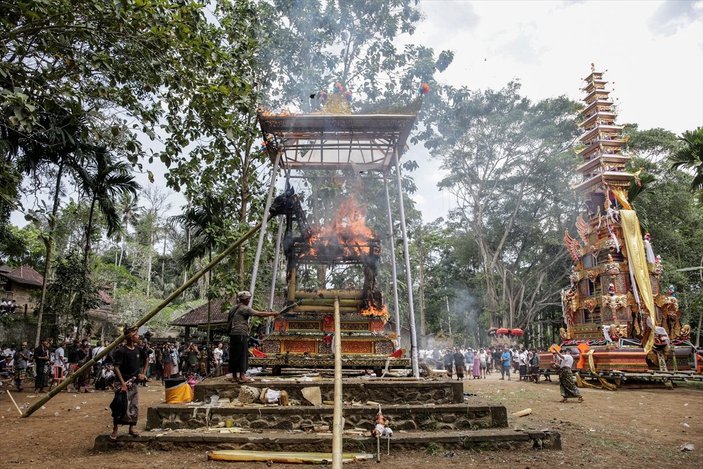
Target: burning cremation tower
[(332, 142)]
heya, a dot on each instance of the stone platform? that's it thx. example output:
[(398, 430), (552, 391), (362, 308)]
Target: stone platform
[(383, 391), (260, 417), (487, 439), (423, 413)]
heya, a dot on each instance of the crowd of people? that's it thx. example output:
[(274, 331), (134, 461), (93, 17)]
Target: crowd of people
[(478, 363), (8, 306), (53, 361)]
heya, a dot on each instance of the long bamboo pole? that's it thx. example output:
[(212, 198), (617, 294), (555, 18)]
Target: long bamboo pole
[(262, 233), (337, 418), (64, 384), (391, 238), (331, 294), (408, 271)]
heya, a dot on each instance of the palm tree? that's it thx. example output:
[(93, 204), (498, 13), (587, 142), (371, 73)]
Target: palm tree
[(202, 221), (690, 155), (128, 207), (108, 182)]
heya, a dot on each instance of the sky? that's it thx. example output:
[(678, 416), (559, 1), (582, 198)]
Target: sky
[(652, 53)]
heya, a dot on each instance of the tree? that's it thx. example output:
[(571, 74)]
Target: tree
[(509, 170), (690, 156), (108, 181), (317, 43)]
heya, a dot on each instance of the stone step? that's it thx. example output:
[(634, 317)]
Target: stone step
[(259, 417), (381, 390), (489, 439)]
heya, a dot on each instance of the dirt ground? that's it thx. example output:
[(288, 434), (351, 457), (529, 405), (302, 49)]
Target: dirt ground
[(628, 428)]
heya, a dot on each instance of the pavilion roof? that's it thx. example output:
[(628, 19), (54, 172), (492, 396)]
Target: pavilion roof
[(198, 316), (338, 141)]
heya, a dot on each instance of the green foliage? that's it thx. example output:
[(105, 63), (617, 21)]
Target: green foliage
[(690, 155), (69, 296), (313, 44), (509, 167)]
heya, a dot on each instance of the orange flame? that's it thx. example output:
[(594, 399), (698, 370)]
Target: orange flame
[(372, 310), (348, 230)]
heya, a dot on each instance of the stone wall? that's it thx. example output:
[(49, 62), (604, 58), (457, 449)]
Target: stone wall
[(400, 417)]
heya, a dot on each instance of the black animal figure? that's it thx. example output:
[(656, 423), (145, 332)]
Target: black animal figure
[(288, 204)]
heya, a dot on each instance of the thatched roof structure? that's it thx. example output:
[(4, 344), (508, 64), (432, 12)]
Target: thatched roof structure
[(197, 317)]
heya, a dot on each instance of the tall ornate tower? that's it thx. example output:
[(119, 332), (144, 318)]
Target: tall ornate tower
[(614, 300)]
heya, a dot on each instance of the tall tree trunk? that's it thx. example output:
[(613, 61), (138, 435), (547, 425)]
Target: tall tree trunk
[(209, 313), (148, 265), (88, 231), (47, 260), (421, 290), (163, 268)]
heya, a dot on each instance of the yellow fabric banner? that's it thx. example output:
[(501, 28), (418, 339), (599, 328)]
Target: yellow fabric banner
[(621, 198), (638, 263)]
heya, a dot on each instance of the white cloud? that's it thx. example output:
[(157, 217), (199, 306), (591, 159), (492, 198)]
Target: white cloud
[(674, 15), (657, 79)]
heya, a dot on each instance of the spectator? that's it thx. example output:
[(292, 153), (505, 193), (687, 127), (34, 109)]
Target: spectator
[(449, 363), (459, 364), (41, 364), (522, 364), (21, 358), (218, 354), (483, 362), (7, 367), (506, 359)]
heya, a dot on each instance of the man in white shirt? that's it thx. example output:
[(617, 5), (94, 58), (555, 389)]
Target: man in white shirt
[(567, 382), (217, 355), (60, 356), (522, 364)]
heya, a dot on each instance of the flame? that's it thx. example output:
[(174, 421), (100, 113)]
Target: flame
[(347, 231), (373, 310)]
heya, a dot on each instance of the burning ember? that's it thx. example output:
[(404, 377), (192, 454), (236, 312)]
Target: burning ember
[(347, 234), (373, 310)]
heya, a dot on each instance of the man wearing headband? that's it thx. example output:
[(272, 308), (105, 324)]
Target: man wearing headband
[(127, 360), (238, 322)]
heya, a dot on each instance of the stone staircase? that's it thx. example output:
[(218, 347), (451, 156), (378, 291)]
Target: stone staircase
[(422, 413)]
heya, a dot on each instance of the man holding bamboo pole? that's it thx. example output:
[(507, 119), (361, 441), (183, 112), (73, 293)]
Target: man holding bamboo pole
[(238, 325)]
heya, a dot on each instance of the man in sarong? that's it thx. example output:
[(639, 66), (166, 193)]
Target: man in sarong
[(130, 368), (567, 382), (41, 366), (459, 364)]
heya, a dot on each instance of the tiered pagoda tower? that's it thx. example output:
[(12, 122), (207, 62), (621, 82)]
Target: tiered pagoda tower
[(614, 305)]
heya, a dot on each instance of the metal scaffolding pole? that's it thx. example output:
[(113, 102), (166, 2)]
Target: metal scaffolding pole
[(408, 273), (274, 274), (393, 260), (262, 233)]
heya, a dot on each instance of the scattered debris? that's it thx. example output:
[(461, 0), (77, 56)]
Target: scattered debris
[(313, 395), (522, 413), (687, 447)]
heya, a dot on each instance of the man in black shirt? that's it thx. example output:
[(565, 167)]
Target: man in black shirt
[(128, 361), (41, 364)]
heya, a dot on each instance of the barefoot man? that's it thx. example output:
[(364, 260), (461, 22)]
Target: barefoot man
[(238, 320), (127, 359), (567, 382)]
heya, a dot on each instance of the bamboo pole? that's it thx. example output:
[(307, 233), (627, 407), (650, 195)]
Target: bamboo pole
[(262, 233), (272, 293), (328, 302), (408, 271), (331, 294), (337, 418), (324, 309), (64, 384), (396, 303)]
